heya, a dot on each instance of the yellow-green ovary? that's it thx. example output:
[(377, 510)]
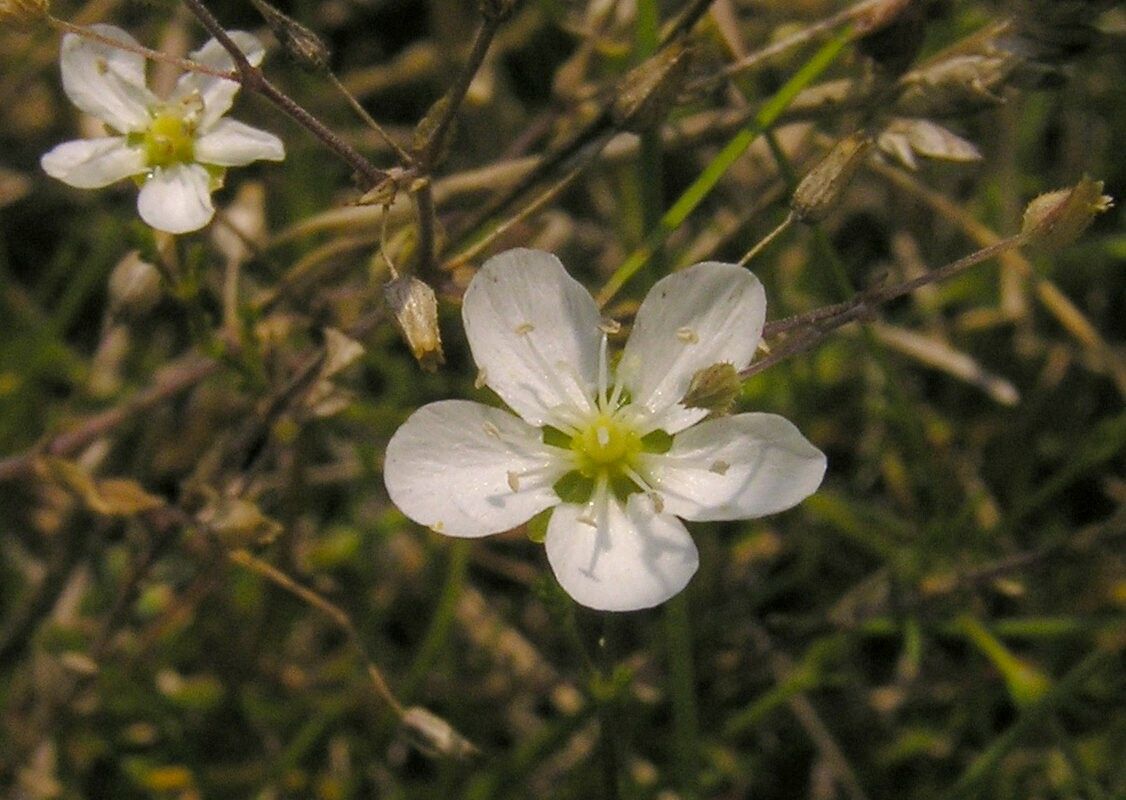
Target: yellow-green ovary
[(605, 447), (169, 140)]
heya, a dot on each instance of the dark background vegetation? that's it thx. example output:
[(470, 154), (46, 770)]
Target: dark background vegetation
[(943, 619)]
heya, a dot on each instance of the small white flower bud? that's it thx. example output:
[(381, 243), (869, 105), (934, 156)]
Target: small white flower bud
[(434, 736), (134, 285)]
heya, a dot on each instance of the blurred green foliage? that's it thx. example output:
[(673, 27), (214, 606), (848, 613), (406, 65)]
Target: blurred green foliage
[(944, 619)]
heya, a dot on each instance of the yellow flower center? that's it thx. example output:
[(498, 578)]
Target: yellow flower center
[(605, 447), (169, 140)]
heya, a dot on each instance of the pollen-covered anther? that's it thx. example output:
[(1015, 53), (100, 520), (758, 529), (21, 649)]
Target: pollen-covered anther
[(586, 519), (609, 326), (524, 328), (719, 467), (438, 527), (687, 335), (658, 502), (513, 481), (481, 380), (491, 430)]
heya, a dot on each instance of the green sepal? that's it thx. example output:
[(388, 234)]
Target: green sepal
[(537, 526), (556, 437), (657, 441), (574, 487)]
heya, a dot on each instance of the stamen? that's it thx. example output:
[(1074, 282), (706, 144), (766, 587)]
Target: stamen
[(687, 335), (551, 372), (595, 507), (513, 481), (719, 467), (491, 430), (481, 380), (603, 372)]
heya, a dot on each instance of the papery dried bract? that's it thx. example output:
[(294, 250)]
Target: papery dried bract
[(904, 138)]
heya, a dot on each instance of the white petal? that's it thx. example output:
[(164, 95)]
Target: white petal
[(707, 314), (465, 469), (634, 558), (105, 81), (177, 199), (534, 331), (737, 468), (232, 144), (93, 163), (217, 93)]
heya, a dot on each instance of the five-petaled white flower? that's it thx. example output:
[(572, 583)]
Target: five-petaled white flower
[(619, 461), (178, 149)]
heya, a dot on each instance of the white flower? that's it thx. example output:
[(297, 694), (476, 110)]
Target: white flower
[(620, 461), (178, 149)]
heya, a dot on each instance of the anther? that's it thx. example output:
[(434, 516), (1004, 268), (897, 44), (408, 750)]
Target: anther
[(524, 328), (687, 335), (719, 467)]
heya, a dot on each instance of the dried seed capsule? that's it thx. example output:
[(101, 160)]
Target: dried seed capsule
[(649, 90), (306, 48), (416, 311), (824, 185), (968, 77), (713, 388), (1056, 219)]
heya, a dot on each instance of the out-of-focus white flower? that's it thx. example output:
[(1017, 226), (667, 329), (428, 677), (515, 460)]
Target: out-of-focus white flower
[(618, 460), (177, 148)]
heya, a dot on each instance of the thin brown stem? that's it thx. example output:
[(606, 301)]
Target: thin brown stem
[(183, 63), (427, 221), (429, 152), (254, 79), (815, 325), (404, 157), (337, 615)]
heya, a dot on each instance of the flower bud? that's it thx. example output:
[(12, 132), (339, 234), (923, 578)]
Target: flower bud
[(1056, 219), (238, 522), (134, 285), (434, 736), (649, 90), (713, 388), (416, 311), (23, 14), (821, 189), (304, 46)]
